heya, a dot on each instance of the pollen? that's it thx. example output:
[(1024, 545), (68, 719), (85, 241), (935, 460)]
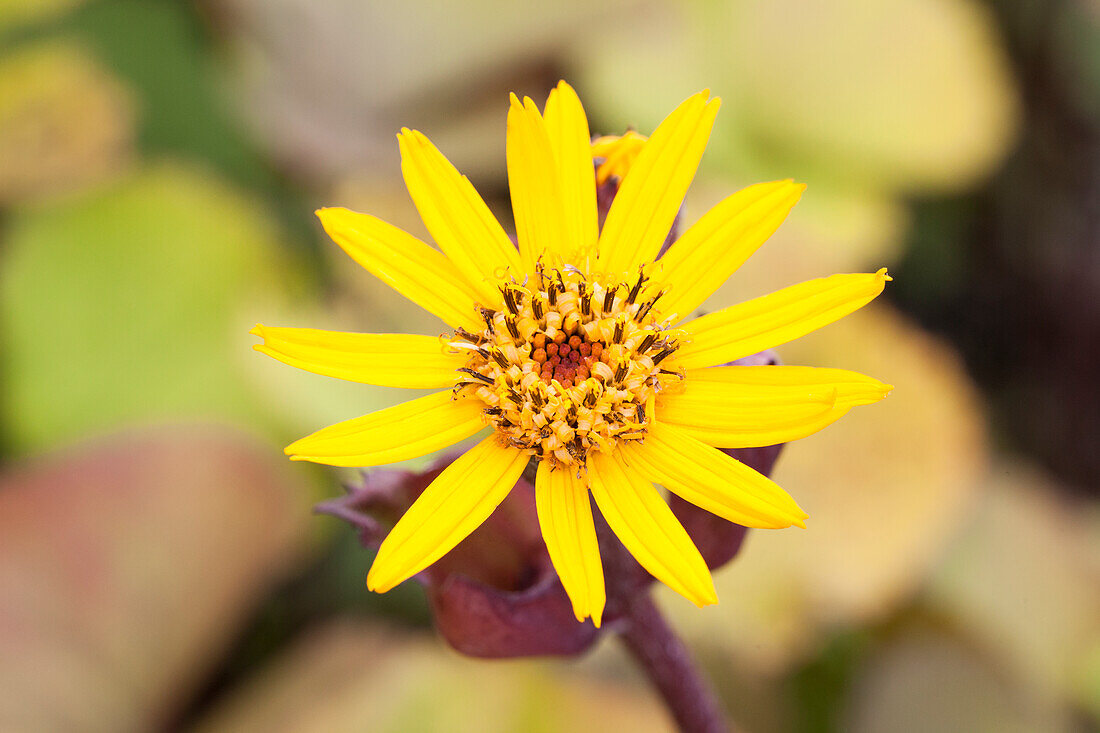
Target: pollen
[(570, 364)]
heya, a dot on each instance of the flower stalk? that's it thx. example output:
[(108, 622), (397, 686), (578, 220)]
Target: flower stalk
[(668, 665)]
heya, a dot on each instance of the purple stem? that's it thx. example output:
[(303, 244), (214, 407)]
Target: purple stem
[(668, 665)]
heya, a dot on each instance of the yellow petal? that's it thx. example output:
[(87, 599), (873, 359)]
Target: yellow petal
[(710, 479), (651, 193), (565, 517), (406, 264), (746, 406), (385, 359), (720, 242), (647, 528), (567, 128), (457, 217), (453, 506), (618, 153), (771, 320), (535, 186), (408, 430)]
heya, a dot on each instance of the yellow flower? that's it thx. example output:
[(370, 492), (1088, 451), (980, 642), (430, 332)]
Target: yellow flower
[(572, 348)]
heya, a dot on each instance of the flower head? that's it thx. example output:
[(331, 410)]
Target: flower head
[(574, 350)]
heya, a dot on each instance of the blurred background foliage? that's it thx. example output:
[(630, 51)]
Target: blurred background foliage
[(159, 163)]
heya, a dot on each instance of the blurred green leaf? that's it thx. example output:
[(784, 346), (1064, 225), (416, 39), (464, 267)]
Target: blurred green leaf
[(127, 304), (819, 687), (161, 49), (14, 13), (64, 121), (164, 52), (916, 97), (895, 95)]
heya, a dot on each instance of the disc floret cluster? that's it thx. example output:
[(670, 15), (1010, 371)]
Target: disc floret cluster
[(570, 364)]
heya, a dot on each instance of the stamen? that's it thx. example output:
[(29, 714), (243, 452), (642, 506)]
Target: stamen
[(609, 299), (620, 327), (637, 288), (510, 321), (473, 338), (644, 310), (477, 375), (624, 367), (663, 355)]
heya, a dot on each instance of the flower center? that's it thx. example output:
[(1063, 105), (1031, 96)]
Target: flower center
[(569, 365)]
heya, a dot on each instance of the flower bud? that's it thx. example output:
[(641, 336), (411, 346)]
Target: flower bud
[(495, 594)]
